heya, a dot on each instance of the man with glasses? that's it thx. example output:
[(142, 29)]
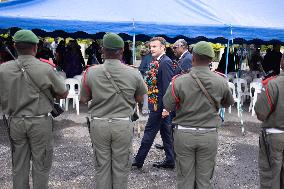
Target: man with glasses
[(184, 57)]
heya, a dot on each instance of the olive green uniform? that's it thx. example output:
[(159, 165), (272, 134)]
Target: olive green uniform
[(270, 105), (195, 138), (28, 110), (111, 129)]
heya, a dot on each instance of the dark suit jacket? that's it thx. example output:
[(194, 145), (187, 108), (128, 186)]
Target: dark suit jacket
[(184, 64), (164, 77), (145, 63)]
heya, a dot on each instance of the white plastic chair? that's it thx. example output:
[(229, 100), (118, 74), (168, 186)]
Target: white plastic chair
[(255, 74), (253, 95), (257, 80), (231, 76), (73, 94), (248, 79), (242, 89), (236, 98), (78, 77)]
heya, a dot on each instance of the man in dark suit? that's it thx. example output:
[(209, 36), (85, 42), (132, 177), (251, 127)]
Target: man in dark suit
[(158, 120), (272, 60), (184, 57)]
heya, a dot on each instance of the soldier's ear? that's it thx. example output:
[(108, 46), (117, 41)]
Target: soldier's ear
[(35, 49), (193, 58)]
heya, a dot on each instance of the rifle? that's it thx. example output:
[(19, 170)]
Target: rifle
[(266, 146), (6, 124)]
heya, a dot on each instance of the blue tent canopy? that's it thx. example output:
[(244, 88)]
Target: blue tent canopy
[(249, 19)]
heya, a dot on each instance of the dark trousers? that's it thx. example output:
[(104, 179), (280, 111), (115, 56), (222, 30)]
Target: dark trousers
[(156, 123)]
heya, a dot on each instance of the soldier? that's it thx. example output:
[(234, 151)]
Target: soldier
[(114, 89), (27, 89), (269, 109), (184, 57), (195, 136)]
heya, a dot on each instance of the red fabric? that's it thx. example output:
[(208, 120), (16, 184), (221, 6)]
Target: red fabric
[(47, 61), (219, 73), (265, 84), (85, 83), (173, 92)]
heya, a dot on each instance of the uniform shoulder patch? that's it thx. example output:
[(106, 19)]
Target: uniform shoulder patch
[(221, 74), (266, 81), (48, 62), (176, 76)]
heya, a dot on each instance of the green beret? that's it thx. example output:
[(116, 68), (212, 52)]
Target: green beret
[(25, 36), (204, 48), (112, 41)]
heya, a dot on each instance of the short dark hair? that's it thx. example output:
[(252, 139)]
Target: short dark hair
[(24, 48), (161, 39), (115, 53), (201, 58), (112, 51)]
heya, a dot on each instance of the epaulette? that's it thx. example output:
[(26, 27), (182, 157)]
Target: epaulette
[(176, 76), (131, 66), (177, 100), (266, 80), (221, 74), (265, 84), (85, 78), (47, 61)]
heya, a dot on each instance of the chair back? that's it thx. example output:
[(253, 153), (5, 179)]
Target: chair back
[(73, 86), (255, 87), (241, 85), (233, 90), (78, 77)]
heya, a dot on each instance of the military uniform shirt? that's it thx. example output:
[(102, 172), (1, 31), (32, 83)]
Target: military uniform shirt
[(274, 116), (106, 103), (195, 109), (19, 96)]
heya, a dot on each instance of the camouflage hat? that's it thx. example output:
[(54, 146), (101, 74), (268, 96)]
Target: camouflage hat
[(112, 41), (25, 36), (204, 48)]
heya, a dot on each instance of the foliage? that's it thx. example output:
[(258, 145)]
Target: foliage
[(217, 46), (263, 48), (6, 35), (85, 41)]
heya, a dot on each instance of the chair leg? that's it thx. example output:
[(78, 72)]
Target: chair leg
[(77, 105), (230, 109), (66, 104), (238, 107), (61, 102), (253, 104), (250, 104)]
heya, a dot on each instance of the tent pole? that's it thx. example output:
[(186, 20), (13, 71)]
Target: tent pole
[(133, 45), (222, 110)]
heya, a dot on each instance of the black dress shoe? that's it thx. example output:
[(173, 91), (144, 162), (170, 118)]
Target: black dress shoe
[(135, 164), (159, 146), (164, 164)]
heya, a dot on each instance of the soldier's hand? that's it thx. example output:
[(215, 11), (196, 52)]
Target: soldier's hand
[(165, 113)]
